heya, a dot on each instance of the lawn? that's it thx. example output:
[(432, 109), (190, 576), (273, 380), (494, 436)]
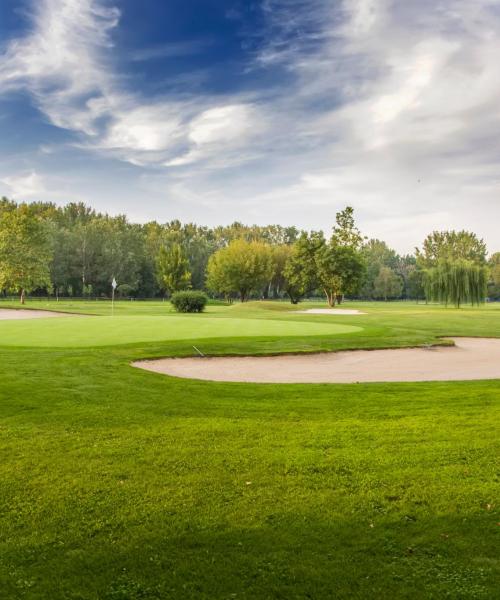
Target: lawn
[(119, 484)]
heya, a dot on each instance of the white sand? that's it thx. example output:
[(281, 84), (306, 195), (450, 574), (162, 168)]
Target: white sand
[(331, 311), (8, 314), (471, 358)]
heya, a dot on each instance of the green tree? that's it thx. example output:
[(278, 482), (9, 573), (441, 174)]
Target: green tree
[(454, 265), (456, 282), (387, 284), (450, 246), (242, 267), (345, 231), (173, 268), (376, 255), (494, 283), (339, 263), (25, 251), (340, 270)]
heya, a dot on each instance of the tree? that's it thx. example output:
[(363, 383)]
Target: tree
[(456, 282), (242, 267), (339, 263), (494, 283), (454, 267), (340, 269), (345, 231), (451, 245), (25, 251), (281, 255), (376, 255), (387, 284), (173, 268)]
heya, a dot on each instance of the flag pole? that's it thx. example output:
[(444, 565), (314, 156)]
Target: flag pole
[(113, 286)]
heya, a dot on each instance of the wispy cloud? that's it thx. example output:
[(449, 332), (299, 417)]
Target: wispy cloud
[(389, 106), (65, 63)]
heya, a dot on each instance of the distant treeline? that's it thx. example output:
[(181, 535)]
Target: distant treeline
[(75, 251)]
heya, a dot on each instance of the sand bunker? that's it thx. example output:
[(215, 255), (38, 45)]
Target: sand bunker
[(11, 314), (470, 358), (331, 311)]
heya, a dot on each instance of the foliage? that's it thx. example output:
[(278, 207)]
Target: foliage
[(456, 282), (494, 283), (450, 246), (173, 268), (242, 267), (340, 269), (90, 248), (387, 284), (301, 273), (339, 264), (345, 231), (25, 251), (191, 301)]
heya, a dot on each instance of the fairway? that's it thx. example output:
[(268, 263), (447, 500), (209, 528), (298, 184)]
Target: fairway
[(73, 332), (122, 484)]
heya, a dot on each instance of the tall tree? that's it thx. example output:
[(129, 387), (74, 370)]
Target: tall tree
[(25, 251), (339, 264), (173, 268)]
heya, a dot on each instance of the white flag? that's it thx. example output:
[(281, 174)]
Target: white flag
[(114, 284)]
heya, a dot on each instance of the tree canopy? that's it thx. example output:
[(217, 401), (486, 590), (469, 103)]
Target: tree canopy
[(242, 267), (25, 250)]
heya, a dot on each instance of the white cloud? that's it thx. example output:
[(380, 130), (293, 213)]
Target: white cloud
[(25, 185), (392, 107), (65, 63)]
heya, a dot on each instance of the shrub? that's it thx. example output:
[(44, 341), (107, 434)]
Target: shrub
[(189, 302)]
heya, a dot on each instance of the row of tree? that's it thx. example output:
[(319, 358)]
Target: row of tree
[(75, 251)]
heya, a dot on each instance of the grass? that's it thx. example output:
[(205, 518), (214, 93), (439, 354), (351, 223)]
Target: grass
[(119, 484)]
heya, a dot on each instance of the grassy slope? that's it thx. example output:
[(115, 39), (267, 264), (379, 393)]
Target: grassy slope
[(121, 484)]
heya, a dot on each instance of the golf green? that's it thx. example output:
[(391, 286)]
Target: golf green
[(73, 332)]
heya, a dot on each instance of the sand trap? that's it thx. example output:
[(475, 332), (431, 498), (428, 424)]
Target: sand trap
[(12, 314), (331, 311), (471, 358)]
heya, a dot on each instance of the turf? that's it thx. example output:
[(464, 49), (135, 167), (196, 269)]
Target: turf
[(109, 331), (122, 484)]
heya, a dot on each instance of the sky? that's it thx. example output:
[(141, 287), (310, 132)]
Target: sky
[(261, 111)]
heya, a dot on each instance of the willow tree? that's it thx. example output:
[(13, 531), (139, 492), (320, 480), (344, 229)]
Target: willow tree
[(456, 282)]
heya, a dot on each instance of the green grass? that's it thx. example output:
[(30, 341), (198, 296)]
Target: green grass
[(119, 484), (109, 331)]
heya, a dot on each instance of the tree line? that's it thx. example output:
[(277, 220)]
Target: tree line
[(75, 251)]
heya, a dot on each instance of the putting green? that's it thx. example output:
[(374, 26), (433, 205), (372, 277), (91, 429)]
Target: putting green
[(111, 331)]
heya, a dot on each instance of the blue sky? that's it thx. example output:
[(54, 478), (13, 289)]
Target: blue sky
[(257, 110)]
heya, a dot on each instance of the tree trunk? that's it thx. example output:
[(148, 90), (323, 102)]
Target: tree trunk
[(331, 298), (23, 296)]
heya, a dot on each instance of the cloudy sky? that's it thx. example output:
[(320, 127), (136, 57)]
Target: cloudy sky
[(257, 110)]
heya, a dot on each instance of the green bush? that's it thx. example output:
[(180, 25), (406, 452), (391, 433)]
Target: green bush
[(189, 302)]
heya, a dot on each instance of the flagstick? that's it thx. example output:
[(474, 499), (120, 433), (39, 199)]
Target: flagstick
[(113, 286)]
